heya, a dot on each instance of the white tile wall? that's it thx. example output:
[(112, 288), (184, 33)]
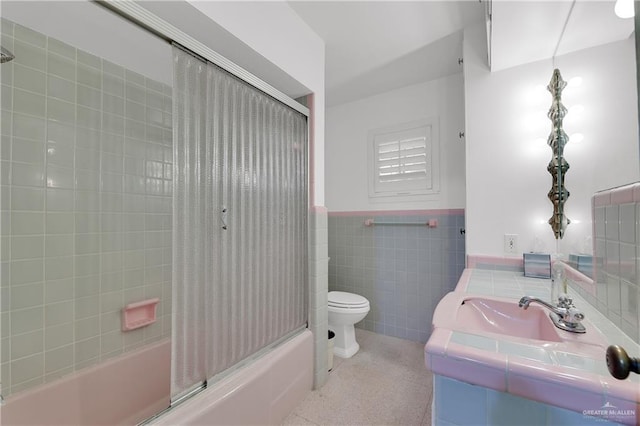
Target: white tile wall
[(318, 289), (617, 247), (86, 207)]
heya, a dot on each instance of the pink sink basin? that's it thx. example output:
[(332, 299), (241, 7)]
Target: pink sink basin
[(506, 318), (503, 319)]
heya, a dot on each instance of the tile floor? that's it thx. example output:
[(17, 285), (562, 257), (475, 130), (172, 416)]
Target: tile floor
[(385, 383)]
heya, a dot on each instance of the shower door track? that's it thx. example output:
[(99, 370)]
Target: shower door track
[(199, 388), (142, 17)]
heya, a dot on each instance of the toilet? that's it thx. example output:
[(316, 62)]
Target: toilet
[(346, 309)]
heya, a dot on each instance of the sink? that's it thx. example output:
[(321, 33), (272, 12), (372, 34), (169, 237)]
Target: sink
[(488, 340), (503, 319), (496, 316), (506, 318)]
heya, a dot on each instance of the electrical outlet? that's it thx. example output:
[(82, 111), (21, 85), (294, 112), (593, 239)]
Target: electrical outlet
[(510, 243)]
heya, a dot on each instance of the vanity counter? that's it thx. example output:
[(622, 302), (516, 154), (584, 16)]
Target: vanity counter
[(571, 374)]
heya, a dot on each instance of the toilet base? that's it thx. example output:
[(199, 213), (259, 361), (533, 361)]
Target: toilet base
[(348, 352), (345, 345)]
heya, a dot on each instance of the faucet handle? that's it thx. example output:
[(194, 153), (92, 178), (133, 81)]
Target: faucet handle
[(574, 315), (564, 301)]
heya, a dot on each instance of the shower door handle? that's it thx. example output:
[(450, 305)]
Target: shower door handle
[(223, 218)]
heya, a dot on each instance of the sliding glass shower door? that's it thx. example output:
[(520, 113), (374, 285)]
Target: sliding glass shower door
[(240, 221)]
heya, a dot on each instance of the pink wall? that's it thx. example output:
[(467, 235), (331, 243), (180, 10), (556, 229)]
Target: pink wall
[(124, 390)]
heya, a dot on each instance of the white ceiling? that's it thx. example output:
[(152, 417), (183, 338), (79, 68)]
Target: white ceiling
[(593, 23), (528, 31), (377, 46), (374, 47)]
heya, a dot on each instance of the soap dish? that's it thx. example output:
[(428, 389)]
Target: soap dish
[(139, 314)]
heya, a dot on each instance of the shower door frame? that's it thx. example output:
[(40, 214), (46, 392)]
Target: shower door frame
[(137, 14)]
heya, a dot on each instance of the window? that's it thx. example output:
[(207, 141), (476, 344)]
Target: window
[(404, 160)]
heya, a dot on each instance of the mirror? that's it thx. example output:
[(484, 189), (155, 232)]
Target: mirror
[(597, 56)]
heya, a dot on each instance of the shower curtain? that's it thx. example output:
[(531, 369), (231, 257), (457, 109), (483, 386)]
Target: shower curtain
[(239, 221)]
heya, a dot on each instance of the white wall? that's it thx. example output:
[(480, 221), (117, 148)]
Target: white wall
[(507, 153), (346, 147), (276, 32)]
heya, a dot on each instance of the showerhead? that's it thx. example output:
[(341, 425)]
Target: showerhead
[(5, 55)]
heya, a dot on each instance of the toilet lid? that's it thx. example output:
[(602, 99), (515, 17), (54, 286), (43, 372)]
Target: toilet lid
[(344, 299)]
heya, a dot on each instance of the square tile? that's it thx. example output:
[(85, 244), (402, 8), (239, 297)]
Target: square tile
[(61, 111), (29, 55), (449, 392), (29, 79), (28, 127), (628, 223), (613, 295), (628, 259), (505, 409), (475, 341), (612, 223), (61, 66), (60, 48)]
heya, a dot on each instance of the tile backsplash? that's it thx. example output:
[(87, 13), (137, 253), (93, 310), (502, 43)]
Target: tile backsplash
[(86, 200), (402, 270), (616, 215)]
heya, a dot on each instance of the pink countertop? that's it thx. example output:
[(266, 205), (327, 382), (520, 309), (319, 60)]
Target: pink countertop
[(565, 369)]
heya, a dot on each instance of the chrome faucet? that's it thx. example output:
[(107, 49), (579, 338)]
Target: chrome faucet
[(565, 316)]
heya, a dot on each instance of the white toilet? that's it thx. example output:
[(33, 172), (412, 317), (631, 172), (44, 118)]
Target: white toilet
[(346, 309)]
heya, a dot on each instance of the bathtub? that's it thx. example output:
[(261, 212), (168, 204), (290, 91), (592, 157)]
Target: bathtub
[(261, 393), (133, 387), (121, 391)]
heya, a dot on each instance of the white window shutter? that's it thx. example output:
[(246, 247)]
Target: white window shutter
[(404, 160)]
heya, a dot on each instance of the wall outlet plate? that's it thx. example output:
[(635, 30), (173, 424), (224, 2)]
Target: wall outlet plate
[(511, 243)]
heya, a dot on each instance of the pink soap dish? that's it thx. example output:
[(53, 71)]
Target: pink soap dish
[(139, 314)]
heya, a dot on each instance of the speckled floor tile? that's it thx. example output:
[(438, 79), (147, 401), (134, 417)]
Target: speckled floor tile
[(385, 383), (295, 420)]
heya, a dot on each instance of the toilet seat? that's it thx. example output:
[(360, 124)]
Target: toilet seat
[(344, 300)]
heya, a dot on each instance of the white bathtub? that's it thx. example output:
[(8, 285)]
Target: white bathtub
[(262, 393)]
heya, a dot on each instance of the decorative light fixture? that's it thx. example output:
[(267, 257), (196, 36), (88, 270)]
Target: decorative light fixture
[(558, 166), (624, 9)]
